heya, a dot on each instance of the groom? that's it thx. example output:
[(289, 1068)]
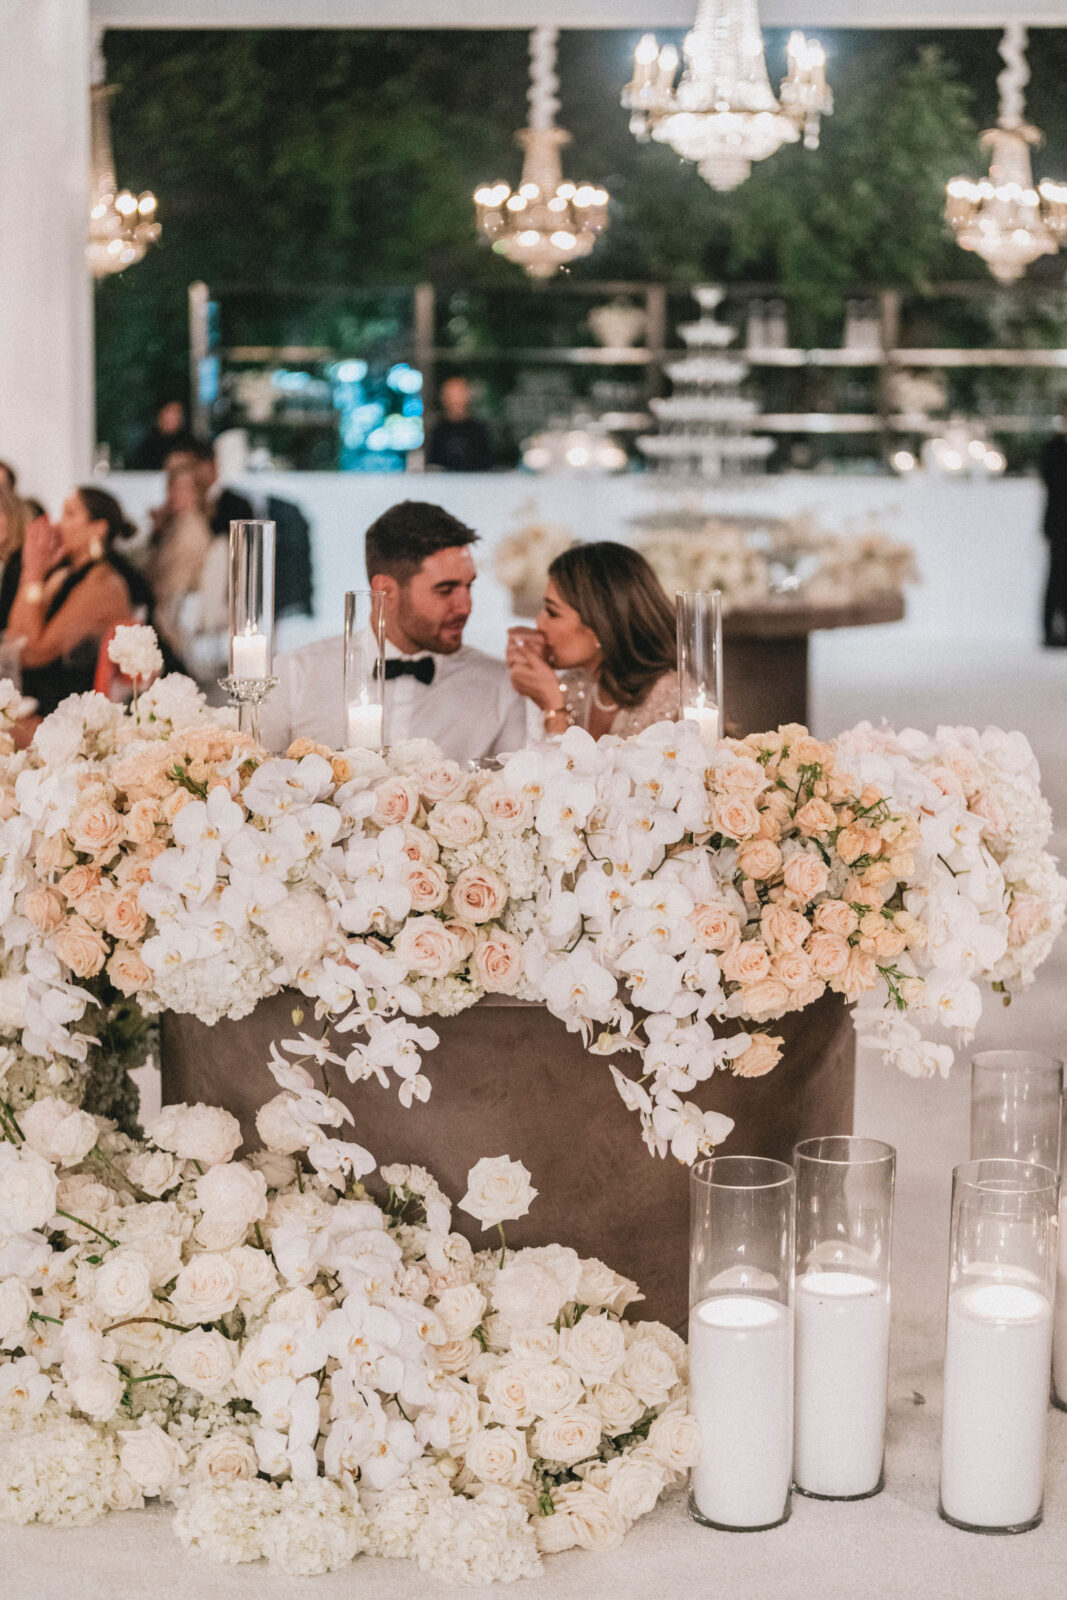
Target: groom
[(437, 687)]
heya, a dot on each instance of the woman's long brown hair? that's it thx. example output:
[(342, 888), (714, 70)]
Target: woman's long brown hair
[(617, 595)]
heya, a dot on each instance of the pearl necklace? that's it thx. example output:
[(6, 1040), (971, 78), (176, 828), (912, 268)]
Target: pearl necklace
[(602, 705)]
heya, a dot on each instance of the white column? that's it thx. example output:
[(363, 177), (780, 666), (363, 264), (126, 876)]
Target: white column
[(46, 330)]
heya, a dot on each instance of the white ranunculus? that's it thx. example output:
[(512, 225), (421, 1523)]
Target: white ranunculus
[(196, 1133), (224, 1458), (58, 1131), (498, 1190), (461, 1309), (594, 1347), (233, 1197), (499, 1455), (96, 1387), (122, 1284), (526, 1294), (569, 1436), (206, 1289), (27, 1190), (135, 652), (202, 1360), (151, 1457)]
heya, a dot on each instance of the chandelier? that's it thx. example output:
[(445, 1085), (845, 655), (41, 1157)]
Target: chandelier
[(1003, 218), (121, 225), (545, 223), (723, 114)]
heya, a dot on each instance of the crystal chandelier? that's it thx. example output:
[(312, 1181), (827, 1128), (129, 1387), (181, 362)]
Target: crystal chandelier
[(545, 223), (121, 225), (723, 114), (1004, 219)]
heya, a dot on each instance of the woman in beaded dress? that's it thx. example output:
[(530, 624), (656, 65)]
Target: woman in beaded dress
[(603, 654)]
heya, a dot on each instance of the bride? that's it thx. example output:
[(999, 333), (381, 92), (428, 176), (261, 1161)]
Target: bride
[(602, 656)]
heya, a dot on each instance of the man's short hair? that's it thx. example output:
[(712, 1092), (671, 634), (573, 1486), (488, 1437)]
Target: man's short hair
[(401, 539), (8, 471)]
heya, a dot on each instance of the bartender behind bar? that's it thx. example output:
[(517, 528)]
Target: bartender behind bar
[(458, 441)]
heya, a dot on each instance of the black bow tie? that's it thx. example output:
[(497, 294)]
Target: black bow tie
[(423, 669)]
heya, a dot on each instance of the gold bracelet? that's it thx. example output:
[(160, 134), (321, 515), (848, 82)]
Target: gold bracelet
[(33, 592)]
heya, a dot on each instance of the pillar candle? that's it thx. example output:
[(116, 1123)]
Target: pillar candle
[(842, 1365)]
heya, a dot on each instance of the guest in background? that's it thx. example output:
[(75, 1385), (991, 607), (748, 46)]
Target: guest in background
[(458, 441), (222, 505), (179, 548), (14, 519), (1054, 473), (437, 687), (73, 590), (603, 655), (167, 434)]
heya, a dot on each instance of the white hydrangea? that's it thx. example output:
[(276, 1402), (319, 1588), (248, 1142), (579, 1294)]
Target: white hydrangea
[(477, 1542)]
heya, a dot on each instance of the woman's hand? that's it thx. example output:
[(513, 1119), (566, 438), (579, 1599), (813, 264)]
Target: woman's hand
[(531, 674), (41, 550)]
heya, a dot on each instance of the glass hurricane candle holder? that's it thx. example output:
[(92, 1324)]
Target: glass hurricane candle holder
[(250, 679), (741, 1340), (364, 681), (698, 622), (1016, 1107), (998, 1345), (843, 1246)]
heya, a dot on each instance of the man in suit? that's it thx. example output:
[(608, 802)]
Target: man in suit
[(437, 687), (1054, 474)]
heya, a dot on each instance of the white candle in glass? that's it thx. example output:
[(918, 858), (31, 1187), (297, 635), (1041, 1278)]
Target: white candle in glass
[(248, 655), (706, 717), (1059, 1336), (363, 725), (842, 1367), (997, 1356), (741, 1393)]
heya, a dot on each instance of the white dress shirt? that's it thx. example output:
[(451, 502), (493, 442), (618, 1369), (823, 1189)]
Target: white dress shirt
[(470, 708)]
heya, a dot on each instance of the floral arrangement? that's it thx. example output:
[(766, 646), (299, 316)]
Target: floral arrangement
[(308, 1373), (752, 561)]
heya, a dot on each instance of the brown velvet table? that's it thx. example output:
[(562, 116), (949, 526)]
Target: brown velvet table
[(508, 1079)]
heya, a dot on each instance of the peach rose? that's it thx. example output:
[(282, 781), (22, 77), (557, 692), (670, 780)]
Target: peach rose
[(783, 928), (140, 821), (767, 998), (747, 962), (479, 895), (989, 808), (828, 953), (858, 976), (794, 969), (425, 945), (454, 823), (834, 916), (307, 747), (443, 781), (763, 1054), (96, 830), (79, 881), (498, 962), (805, 876), (125, 919), (8, 802), (810, 752), (1025, 917), (714, 926), (175, 802), (759, 858), (735, 817), (428, 886), (136, 869), (464, 936), (889, 941), (127, 971), (857, 840), (744, 777), (503, 809), (44, 907), (80, 947), (95, 903), (816, 817), (395, 800), (54, 854)]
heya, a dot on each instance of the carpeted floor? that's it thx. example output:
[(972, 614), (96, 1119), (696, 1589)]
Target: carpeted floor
[(892, 1547)]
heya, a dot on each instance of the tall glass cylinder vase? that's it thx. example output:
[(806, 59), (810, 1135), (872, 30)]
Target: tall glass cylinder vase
[(364, 684), (998, 1345), (1016, 1106), (251, 619), (741, 1340), (698, 622), (844, 1239)]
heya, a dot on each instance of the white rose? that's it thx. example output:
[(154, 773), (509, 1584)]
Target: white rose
[(206, 1289), (277, 1169), (665, 1337), (16, 1303), (225, 1457), (161, 1249), (443, 780), (454, 824), (563, 1263), (507, 1393), (498, 962), (619, 1407), (569, 1436), (526, 1294), (233, 1197), (600, 1286), (27, 1190), (594, 1347), (257, 1279), (154, 1171), (58, 1131), (460, 1309), (196, 1133), (396, 800), (426, 946), (457, 1404), (674, 1439), (553, 1388), (498, 1190), (96, 1389), (281, 1127), (535, 1344), (151, 1457), (632, 1483), (649, 1371), (456, 1356), (203, 1361), (505, 811), (122, 1284), (592, 1520), (498, 1455)]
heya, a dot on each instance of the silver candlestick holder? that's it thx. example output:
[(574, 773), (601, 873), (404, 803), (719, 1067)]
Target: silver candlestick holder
[(247, 695)]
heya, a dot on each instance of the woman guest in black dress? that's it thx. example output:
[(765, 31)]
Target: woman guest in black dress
[(73, 588)]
